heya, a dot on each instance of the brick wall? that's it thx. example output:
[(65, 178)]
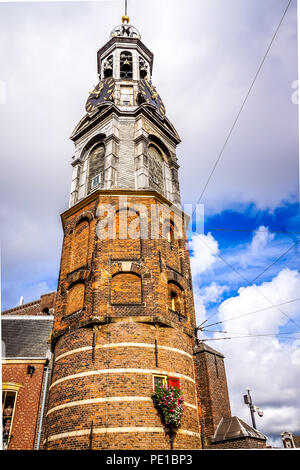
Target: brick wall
[(105, 260), (24, 425), (108, 352), (44, 306), (212, 390), (126, 288), (75, 298), (245, 443), (80, 244), (85, 388)]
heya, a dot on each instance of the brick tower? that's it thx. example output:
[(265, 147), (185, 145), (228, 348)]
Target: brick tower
[(124, 316)]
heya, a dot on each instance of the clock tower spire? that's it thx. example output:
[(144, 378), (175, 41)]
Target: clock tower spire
[(125, 18), (123, 99)]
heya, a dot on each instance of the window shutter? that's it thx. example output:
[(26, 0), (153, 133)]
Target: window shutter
[(173, 382)]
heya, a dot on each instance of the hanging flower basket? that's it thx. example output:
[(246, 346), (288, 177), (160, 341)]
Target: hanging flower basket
[(169, 402)]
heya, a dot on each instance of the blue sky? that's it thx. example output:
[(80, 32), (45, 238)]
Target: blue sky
[(224, 264), (205, 57), (242, 260)]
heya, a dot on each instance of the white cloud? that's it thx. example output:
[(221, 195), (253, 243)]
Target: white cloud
[(213, 292), (205, 57), (260, 241), (205, 250), (265, 364), (283, 288), (261, 238), (205, 296)]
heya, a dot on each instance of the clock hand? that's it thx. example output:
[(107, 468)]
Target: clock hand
[(96, 93)]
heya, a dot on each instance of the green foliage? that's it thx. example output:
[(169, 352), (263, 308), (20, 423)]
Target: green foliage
[(169, 401)]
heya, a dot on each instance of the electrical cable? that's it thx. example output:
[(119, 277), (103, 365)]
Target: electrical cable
[(251, 313), (250, 231), (247, 336), (243, 104), (248, 284)]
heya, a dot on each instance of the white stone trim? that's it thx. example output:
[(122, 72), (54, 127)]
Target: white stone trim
[(133, 429), (27, 317), (122, 371), (24, 360), (106, 400), (119, 345)]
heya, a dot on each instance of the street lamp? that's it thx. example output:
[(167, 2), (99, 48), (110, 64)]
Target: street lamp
[(253, 408)]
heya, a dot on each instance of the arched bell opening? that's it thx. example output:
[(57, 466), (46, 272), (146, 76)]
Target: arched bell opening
[(108, 67), (126, 65)]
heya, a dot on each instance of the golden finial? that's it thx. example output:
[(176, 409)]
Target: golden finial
[(125, 18)]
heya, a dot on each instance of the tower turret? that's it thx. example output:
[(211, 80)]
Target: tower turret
[(125, 140)]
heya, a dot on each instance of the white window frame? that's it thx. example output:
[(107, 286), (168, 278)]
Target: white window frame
[(93, 185), (164, 377)]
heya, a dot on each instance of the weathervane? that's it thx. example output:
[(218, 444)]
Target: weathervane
[(125, 18), (125, 29)]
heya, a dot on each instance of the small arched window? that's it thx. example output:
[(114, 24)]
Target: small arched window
[(126, 65), (96, 167), (175, 298), (169, 232)]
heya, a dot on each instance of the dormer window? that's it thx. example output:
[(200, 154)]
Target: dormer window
[(126, 66)]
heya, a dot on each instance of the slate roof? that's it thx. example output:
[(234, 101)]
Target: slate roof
[(25, 336), (202, 347), (297, 441), (235, 428)]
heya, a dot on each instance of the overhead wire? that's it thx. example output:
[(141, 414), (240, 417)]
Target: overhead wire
[(248, 284), (253, 334), (251, 313), (210, 176), (249, 336), (283, 232), (243, 104)]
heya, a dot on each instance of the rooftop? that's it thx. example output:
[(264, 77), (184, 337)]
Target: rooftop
[(235, 428)]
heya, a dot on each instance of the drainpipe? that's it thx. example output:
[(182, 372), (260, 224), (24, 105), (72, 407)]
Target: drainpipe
[(46, 369)]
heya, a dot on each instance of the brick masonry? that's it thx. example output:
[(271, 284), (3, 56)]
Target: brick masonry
[(24, 425), (105, 339), (212, 390), (245, 443), (44, 306), (124, 309)]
